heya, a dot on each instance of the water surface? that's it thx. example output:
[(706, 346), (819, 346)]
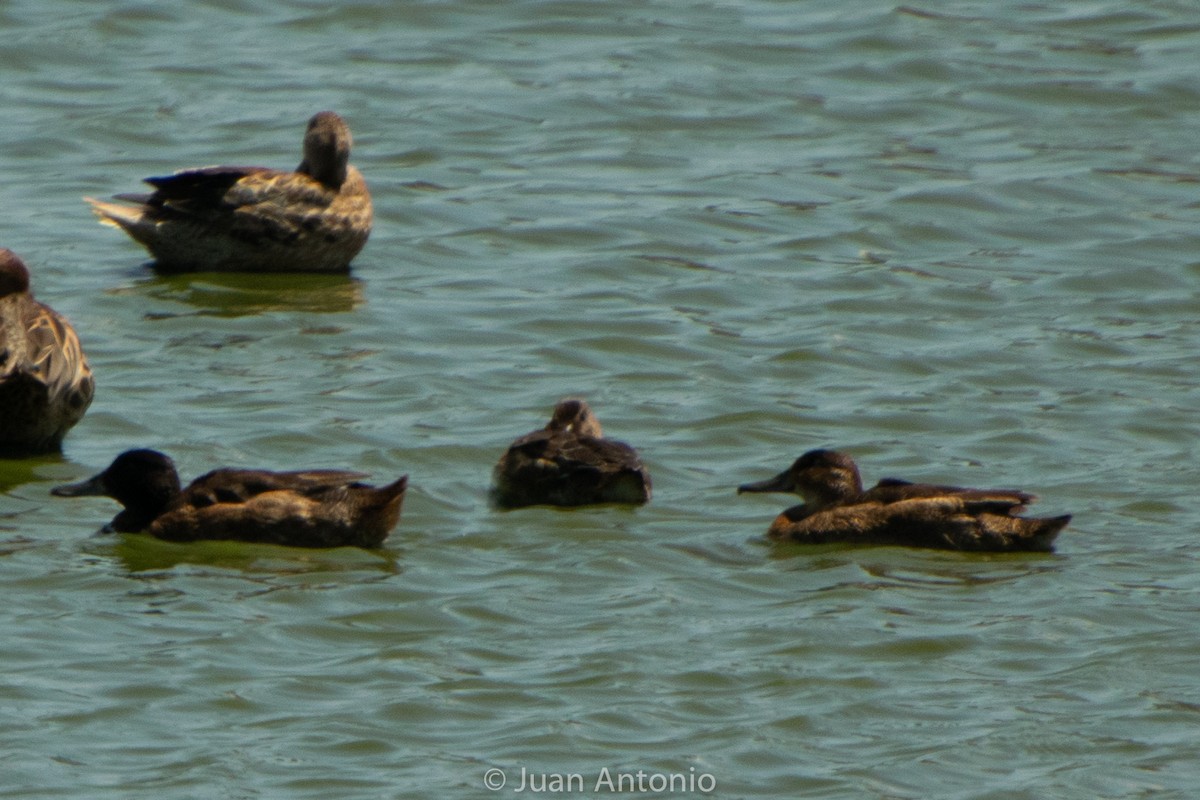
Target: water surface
[(957, 240)]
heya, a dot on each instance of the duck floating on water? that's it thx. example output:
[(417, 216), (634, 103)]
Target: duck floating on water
[(309, 508), (569, 463), (836, 509), (46, 384), (255, 219)]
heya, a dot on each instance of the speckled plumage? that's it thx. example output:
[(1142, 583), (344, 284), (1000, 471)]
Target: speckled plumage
[(569, 463), (309, 508), (46, 384), (836, 509), (255, 219)]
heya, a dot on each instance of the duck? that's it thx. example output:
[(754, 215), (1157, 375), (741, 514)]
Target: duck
[(306, 508), (46, 384), (254, 219), (569, 463), (898, 512)]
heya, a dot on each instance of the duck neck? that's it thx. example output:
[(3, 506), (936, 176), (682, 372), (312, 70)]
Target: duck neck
[(331, 174), (840, 486), (153, 500)]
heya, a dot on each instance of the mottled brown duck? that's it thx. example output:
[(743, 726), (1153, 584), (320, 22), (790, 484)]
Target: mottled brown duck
[(896, 512), (45, 382), (255, 219)]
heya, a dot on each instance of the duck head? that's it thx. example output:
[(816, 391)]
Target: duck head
[(326, 149), (143, 481), (821, 477), (14, 275), (574, 415)]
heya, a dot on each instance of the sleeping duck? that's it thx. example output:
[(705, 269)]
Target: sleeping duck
[(310, 508), (255, 219), (569, 463), (836, 509), (45, 381)]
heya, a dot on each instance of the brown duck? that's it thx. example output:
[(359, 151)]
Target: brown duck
[(310, 508), (255, 219), (45, 382), (836, 509), (569, 463)]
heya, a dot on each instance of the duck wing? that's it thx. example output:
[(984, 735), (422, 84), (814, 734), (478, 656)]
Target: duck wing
[(564, 468), (574, 455), (945, 521), (234, 486), (254, 205), (1000, 501), (47, 382), (601, 453), (193, 189), (56, 356)]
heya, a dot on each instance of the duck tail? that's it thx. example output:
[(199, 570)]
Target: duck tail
[(395, 490), (378, 510), (130, 219), (1045, 530), (387, 500)]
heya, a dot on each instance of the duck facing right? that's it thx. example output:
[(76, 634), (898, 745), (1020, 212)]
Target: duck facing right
[(897, 512)]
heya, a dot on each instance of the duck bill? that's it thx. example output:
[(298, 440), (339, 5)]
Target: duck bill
[(91, 487), (780, 483)]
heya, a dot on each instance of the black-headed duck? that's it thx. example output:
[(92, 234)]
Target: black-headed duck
[(255, 219), (836, 509), (569, 463), (45, 382), (311, 508)]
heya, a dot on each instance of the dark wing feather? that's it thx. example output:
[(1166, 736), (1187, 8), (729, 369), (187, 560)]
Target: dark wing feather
[(204, 187), (570, 449), (563, 468), (894, 490), (239, 485), (608, 453), (532, 445)]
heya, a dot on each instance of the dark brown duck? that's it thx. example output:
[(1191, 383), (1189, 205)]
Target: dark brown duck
[(569, 463), (836, 509), (46, 384), (310, 508)]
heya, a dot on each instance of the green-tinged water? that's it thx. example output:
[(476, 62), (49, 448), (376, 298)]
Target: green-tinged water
[(956, 239)]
